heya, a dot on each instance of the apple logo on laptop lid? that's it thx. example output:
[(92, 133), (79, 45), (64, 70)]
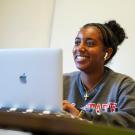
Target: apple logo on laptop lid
[(23, 78)]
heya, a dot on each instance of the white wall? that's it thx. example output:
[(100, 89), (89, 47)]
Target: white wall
[(70, 15), (25, 23)]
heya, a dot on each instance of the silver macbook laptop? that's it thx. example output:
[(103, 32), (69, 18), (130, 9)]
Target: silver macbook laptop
[(31, 79)]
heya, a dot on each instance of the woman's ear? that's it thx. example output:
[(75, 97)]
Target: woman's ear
[(108, 53)]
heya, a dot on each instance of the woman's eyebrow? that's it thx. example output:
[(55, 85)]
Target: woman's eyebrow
[(89, 38), (77, 38)]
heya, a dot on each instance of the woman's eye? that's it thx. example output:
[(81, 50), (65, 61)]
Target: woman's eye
[(90, 42), (77, 41)]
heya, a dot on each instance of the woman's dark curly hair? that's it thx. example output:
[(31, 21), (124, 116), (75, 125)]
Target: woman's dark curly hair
[(112, 33)]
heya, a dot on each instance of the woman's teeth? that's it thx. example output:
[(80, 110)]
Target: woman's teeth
[(80, 58)]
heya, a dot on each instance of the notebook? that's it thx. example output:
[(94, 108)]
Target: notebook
[(31, 79)]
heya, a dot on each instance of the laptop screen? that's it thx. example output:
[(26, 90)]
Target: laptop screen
[(31, 78)]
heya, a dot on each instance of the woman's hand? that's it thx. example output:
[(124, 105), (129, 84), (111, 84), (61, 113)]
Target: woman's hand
[(70, 108)]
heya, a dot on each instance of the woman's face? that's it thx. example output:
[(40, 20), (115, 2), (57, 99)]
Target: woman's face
[(89, 50)]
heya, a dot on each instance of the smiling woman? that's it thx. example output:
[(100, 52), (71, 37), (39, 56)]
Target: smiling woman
[(89, 49), (96, 92)]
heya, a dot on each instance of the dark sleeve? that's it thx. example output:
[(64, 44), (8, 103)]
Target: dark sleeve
[(125, 116), (66, 86), (69, 81)]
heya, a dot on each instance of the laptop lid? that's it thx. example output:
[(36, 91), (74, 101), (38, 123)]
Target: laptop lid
[(31, 79)]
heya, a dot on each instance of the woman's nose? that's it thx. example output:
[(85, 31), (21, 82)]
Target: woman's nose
[(81, 47)]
